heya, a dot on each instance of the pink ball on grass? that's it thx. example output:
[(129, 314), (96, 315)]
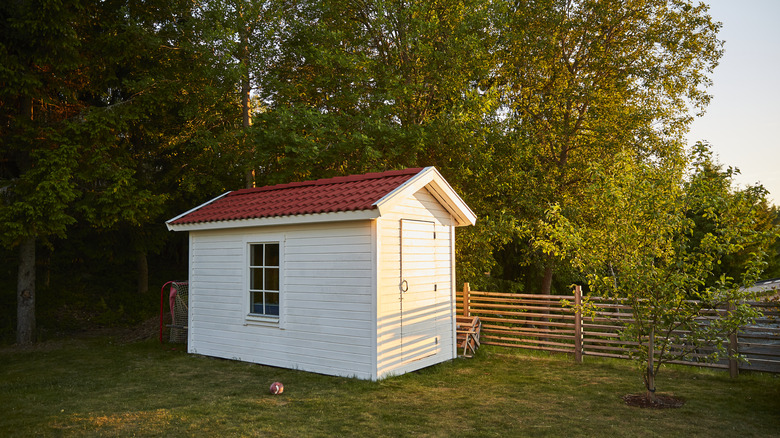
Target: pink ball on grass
[(277, 388)]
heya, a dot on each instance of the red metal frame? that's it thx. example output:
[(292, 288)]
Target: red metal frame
[(162, 300)]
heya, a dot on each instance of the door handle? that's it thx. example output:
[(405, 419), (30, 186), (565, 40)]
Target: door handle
[(404, 286)]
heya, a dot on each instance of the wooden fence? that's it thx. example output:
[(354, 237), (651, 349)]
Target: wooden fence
[(543, 322)]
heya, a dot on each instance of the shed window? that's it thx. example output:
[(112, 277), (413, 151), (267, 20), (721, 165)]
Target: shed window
[(264, 273)]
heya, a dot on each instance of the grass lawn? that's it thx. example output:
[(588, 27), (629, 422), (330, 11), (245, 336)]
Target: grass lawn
[(97, 387)]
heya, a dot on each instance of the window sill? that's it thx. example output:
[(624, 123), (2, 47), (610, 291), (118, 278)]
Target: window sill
[(268, 321)]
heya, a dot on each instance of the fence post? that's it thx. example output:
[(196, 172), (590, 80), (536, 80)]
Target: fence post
[(733, 349), (466, 291), (577, 324)]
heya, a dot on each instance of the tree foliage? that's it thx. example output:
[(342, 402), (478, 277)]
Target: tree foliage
[(117, 114), (584, 81), (372, 85), (103, 105), (669, 250)]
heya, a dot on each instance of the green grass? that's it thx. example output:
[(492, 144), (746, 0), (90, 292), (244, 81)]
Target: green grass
[(95, 387)]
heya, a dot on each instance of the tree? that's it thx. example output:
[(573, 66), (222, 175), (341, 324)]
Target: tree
[(117, 113), (508, 99), (39, 54), (642, 244), (713, 187), (242, 36), (584, 81), (102, 107), (358, 86), (773, 267), (373, 85)]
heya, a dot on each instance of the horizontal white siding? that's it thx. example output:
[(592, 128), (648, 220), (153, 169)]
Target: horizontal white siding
[(422, 207), (327, 315), (340, 293)]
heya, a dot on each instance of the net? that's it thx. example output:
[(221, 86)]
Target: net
[(179, 311)]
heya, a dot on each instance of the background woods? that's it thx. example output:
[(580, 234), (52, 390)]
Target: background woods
[(117, 115)]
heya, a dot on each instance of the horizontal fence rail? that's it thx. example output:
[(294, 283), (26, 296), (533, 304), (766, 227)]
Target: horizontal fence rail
[(544, 322)]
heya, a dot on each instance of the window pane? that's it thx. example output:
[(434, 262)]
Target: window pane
[(256, 278), (272, 254), (257, 303), (272, 303), (256, 255), (272, 279)]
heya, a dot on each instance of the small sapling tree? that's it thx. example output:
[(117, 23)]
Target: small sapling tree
[(658, 246)]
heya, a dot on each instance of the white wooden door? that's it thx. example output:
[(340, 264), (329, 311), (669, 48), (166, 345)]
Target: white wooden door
[(418, 290)]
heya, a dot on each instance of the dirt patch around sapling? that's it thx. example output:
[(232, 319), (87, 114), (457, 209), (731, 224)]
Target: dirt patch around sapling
[(662, 401)]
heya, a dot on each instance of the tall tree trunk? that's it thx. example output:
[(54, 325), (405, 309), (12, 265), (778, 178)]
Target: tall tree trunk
[(245, 110), (25, 293), (246, 91), (143, 272), (547, 280), (546, 288)]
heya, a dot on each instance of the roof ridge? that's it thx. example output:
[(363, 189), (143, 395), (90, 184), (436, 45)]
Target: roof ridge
[(328, 195), (328, 181)]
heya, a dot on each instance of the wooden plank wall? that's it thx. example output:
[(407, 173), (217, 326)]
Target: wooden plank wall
[(544, 322), (326, 323), (422, 206)]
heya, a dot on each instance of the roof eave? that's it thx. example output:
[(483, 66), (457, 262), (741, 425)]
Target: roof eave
[(277, 220), (169, 222)]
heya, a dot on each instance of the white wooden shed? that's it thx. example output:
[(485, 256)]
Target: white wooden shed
[(349, 276)]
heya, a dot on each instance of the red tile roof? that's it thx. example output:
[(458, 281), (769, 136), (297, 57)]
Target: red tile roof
[(346, 193)]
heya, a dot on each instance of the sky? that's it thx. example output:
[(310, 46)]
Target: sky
[(742, 122)]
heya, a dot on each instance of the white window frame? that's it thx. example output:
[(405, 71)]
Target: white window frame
[(253, 318)]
